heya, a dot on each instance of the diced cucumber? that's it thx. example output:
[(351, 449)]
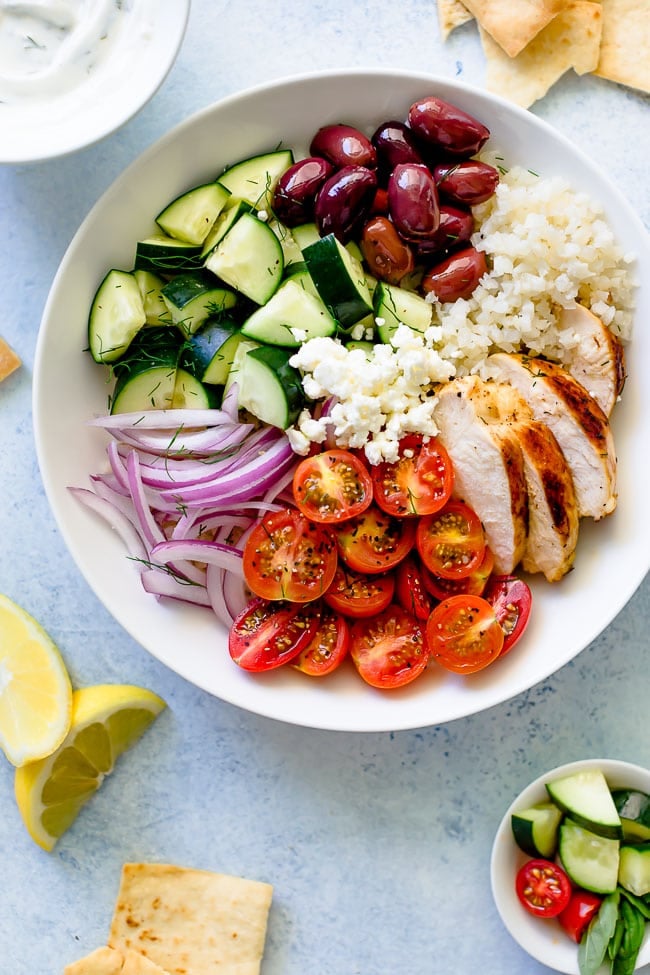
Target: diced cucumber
[(249, 259), (191, 216), (536, 829), (146, 376), (222, 225), (291, 308), (254, 179), (305, 234), (394, 306), (634, 868), (591, 861), (300, 274), (210, 352), (267, 386), (634, 809), (362, 344), (151, 285), (191, 394), (166, 255), (290, 251), (585, 796), (116, 316), (339, 279), (193, 298)]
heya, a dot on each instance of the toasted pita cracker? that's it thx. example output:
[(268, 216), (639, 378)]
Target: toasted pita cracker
[(189, 920), (571, 40), (137, 964), (514, 23), (625, 47), (451, 14), (102, 961), (9, 361)]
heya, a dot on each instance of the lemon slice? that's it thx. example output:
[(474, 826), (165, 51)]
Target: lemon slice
[(106, 720), (35, 691)]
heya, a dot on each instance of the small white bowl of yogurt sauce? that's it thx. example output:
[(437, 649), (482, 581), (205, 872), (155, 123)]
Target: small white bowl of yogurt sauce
[(73, 71)]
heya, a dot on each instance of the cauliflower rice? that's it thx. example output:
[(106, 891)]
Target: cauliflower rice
[(547, 247)]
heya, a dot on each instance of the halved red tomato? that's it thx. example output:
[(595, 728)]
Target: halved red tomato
[(412, 594), (327, 648), (267, 634), (389, 650), (359, 595), (286, 556), (543, 888), (511, 599), (451, 542), (463, 634), (579, 913), (332, 486), (419, 483), (471, 585), (375, 541)]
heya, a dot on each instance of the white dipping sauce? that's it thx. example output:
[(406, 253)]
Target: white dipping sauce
[(49, 47)]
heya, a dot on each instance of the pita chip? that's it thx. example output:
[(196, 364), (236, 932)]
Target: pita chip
[(102, 961), (191, 921), (514, 23), (625, 47), (571, 40), (9, 361), (451, 14)]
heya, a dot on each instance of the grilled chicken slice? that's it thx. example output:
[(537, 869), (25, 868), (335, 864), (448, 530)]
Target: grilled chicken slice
[(488, 464), (597, 361), (576, 420), (553, 519)]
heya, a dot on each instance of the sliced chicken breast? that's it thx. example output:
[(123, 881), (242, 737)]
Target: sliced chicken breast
[(553, 519), (597, 361), (575, 419), (488, 462)]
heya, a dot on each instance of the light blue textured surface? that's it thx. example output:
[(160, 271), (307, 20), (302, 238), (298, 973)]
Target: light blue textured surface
[(378, 845)]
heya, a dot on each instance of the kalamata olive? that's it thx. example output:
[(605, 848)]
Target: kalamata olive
[(388, 257), (457, 276), (343, 145), (344, 200), (295, 193), (447, 126), (455, 228), (413, 201), (468, 183), (395, 143), (380, 201)]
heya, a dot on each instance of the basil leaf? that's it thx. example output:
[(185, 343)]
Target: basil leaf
[(593, 947)]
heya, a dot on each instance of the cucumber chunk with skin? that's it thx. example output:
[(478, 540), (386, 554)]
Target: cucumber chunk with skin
[(191, 216), (210, 352), (193, 298), (151, 286), (585, 796), (166, 255), (291, 311), (249, 259), (254, 180), (116, 316), (634, 809), (340, 280), (634, 868), (305, 234), (267, 386), (536, 829), (394, 306), (590, 861), (222, 225)]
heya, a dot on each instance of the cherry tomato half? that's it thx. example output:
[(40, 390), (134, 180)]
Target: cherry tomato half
[(266, 634), (472, 585), (412, 594), (451, 542), (419, 483), (327, 648), (511, 598), (389, 650), (543, 888), (332, 486), (375, 541), (286, 556), (463, 634), (359, 595), (579, 912)]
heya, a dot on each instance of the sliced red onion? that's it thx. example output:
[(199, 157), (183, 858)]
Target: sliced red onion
[(118, 522), (198, 550), (164, 419), (230, 402), (152, 531), (162, 584), (214, 586)]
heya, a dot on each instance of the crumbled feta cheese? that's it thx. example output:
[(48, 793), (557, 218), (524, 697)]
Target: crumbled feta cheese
[(262, 215), (299, 334)]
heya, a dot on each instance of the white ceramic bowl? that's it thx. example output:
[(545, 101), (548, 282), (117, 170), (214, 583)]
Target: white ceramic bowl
[(544, 939), (70, 100), (68, 390)]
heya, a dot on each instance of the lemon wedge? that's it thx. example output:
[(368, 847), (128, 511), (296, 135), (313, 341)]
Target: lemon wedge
[(107, 719), (35, 691)]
